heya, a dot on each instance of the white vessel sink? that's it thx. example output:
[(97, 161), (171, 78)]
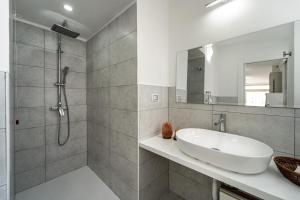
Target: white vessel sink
[(231, 152)]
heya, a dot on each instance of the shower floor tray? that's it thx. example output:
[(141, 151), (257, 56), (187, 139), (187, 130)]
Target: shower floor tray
[(80, 184)]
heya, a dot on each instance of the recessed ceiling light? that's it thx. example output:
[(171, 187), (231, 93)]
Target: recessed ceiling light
[(67, 7)]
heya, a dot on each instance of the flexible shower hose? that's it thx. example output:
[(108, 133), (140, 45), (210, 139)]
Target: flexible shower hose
[(60, 143)]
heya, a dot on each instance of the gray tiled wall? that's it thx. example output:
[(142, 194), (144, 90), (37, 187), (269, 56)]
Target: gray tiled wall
[(277, 127), (38, 158), (153, 169), (297, 132), (3, 145), (112, 105)]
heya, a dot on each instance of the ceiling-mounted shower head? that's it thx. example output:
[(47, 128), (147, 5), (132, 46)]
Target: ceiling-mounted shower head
[(62, 29)]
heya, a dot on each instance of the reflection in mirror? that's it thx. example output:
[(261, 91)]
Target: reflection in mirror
[(256, 69), (265, 83)]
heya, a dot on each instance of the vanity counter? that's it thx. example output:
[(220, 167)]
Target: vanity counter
[(270, 185)]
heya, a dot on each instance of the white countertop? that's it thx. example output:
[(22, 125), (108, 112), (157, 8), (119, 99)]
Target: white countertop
[(268, 185)]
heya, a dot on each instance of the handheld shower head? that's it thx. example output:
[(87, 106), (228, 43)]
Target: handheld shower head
[(65, 72)]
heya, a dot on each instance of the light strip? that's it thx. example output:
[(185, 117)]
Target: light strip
[(215, 2)]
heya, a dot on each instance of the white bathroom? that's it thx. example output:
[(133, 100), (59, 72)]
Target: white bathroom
[(150, 100)]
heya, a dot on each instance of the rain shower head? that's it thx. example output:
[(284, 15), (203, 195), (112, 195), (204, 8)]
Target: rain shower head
[(64, 30)]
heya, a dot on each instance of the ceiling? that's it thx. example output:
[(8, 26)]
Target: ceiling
[(87, 17)]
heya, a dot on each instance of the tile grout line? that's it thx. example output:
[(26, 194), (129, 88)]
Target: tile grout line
[(295, 133), (45, 140)]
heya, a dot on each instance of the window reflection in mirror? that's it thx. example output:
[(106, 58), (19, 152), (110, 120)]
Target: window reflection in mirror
[(255, 69), (265, 83)]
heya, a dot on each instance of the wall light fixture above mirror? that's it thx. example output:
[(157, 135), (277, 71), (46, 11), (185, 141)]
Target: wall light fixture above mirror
[(257, 69), (215, 2)]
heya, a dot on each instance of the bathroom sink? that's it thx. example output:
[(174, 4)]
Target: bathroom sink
[(231, 152)]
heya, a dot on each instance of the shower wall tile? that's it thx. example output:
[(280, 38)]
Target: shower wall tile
[(100, 134), (50, 40), (77, 114), (124, 145), (64, 166), (124, 24), (76, 63), (124, 97), (124, 49), (74, 79), (77, 130), (2, 157), (29, 55), (112, 105), (29, 97), (74, 96), (54, 152), (70, 46), (101, 59), (122, 189), (99, 154), (100, 40), (29, 35), (29, 76), (29, 179), (124, 121), (24, 159), (99, 97), (3, 192), (124, 169), (29, 138), (124, 73), (99, 160), (2, 101), (297, 113), (36, 74), (99, 78), (74, 47), (99, 115), (30, 117)]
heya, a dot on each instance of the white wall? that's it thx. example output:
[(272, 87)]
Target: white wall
[(4, 35), (153, 42), (193, 25), (297, 64)]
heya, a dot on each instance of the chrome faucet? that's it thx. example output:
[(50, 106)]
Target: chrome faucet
[(222, 123)]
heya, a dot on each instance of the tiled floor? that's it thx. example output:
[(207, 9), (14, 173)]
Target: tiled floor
[(76, 185)]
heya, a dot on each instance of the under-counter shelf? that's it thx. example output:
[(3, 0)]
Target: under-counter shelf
[(270, 185)]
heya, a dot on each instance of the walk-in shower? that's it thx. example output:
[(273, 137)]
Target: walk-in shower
[(61, 81)]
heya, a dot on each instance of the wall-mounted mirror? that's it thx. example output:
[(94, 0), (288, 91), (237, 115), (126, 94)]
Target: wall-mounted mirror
[(257, 69)]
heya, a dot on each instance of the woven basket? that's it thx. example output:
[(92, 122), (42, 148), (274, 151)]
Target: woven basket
[(287, 167)]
